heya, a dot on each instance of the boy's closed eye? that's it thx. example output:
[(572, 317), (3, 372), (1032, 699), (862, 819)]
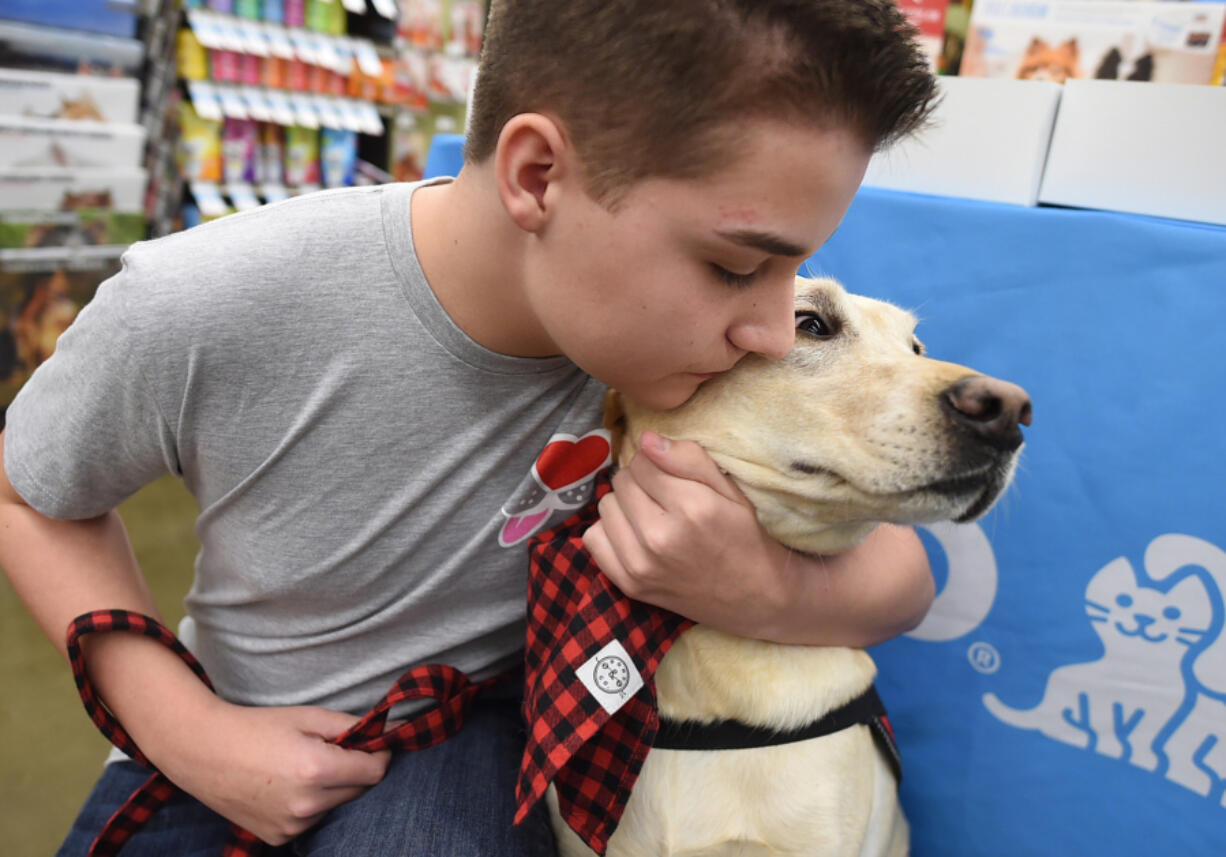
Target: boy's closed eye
[(733, 278)]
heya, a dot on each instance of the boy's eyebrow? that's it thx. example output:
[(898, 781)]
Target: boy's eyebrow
[(766, 241)]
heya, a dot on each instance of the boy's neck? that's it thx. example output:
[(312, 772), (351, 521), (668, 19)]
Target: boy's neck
[(471, 253)]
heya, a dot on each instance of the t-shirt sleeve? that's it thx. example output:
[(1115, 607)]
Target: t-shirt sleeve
[(88, 430)]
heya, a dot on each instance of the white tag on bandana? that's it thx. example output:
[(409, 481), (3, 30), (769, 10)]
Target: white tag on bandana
[(611, 676)]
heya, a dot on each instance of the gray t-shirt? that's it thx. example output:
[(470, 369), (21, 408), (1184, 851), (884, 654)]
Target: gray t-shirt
[(367, 475)]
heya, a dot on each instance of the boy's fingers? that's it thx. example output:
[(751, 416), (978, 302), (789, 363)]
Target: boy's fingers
[(356, 769), (681, 459), (596, 542), (613, 542), (345, 767)]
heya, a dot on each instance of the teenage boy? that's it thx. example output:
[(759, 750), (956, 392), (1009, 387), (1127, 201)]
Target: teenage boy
[(359, 388)]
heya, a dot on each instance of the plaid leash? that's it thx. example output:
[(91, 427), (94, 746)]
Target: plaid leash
[(574, 612), (454, 691)]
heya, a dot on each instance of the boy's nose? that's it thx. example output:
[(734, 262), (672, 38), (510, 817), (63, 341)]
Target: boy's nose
[(769, 330)]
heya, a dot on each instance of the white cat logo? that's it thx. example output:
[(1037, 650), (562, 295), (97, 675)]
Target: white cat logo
[(1157, 696)]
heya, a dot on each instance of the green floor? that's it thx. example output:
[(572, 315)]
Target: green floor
[(51, 753)]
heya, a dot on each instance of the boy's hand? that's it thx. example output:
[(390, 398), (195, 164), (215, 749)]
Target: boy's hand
[(677, 533), (272, 770), (269, 769)]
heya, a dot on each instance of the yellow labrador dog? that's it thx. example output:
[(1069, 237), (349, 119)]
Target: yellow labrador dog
[(854, 427)]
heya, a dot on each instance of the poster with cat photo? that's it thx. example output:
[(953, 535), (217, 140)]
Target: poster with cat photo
[(1061, 39)]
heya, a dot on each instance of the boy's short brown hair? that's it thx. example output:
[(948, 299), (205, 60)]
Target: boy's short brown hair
[(648, 87)]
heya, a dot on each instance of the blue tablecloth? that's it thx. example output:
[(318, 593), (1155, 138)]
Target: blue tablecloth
[(1067, 694)]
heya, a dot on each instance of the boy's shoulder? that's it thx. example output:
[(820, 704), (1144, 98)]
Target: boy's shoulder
[(320, 217), (283, 259)]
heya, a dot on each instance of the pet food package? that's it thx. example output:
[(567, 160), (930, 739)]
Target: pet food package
[(301, 157), (239, 150), (270, 165), (69, 143), (50, 95), (928, 17), (338, 157), (1219, 68), (1061, 40), (52, 189), (199, 146), (90, 16)]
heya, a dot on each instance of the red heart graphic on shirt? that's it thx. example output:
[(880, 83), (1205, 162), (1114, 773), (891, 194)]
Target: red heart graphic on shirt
[(565, 462)]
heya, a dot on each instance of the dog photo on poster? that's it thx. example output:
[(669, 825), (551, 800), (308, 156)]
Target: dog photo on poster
[(1070, 39)]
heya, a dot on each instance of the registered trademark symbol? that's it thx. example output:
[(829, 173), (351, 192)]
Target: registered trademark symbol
[(984, 658)]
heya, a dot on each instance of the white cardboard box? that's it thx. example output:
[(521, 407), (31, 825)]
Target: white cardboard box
[(38, 143), (987, 140), (1150, 148), (49, 95)]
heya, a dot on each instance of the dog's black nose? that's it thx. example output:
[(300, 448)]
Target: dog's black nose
[(991, 408)]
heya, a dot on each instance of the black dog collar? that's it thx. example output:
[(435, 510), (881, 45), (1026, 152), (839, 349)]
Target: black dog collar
[(734, 735)]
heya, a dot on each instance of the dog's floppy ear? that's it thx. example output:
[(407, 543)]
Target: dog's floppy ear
[(614, 421)]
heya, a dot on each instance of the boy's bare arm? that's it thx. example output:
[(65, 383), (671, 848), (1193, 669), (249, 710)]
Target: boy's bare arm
[(677, 533), (269, 769)]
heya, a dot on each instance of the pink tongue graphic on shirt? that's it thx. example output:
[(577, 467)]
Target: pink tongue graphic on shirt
[(518, 527), (564, 462)]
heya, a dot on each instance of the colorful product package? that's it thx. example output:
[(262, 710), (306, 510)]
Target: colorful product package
[(191, 56), (249, 9), (270, 166), (928, 17), (294, 13), (225, 66), (239, 150), (199, 149), (301, 156), (339, 157)]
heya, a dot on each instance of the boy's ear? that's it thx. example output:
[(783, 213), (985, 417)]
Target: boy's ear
[(532, 155)]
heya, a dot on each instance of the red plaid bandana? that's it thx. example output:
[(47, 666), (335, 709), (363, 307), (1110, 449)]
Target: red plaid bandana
[(579, 627), (574, 614)]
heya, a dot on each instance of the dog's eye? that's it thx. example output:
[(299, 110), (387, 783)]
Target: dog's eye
[(813, 325), (917, 347)]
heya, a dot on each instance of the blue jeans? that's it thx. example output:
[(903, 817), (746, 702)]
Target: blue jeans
[(456, 799)]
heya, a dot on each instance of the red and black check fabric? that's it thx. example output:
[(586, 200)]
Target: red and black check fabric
[(592, 756), (449, 686)]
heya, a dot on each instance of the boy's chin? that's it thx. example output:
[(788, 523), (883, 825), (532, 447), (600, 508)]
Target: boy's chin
[(664, 395)]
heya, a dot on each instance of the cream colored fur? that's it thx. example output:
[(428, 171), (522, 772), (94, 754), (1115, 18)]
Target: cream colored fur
[(861, 411)]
